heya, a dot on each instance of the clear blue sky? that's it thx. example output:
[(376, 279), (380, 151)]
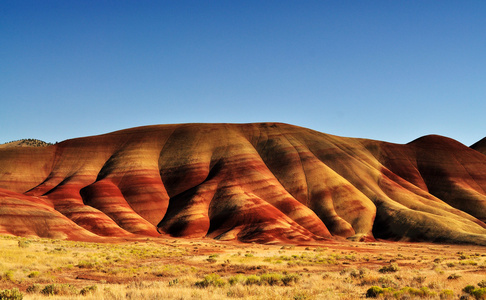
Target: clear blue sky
[(386, 70)]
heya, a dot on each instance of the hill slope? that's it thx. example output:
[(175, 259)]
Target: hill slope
[(252, 182)]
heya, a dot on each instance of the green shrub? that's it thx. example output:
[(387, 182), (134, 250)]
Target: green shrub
[(8, 275), (33, 274), (35, 288), (478, 293), (290, 279), (446, 294), (48, 290), (426, 291), (13, 294), (252, 279), (211, 280), (415, 292), (84, 264), (374, 292), (393, 267), (358, 273), (271, 279), (212, 258), (482, 284), (88, 290), (454, 276), (59, 289), (236, 279), (421, 292)]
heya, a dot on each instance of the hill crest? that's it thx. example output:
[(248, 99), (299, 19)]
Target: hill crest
[(25, 143)]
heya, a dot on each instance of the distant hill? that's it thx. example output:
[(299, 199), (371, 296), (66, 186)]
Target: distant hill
[(480, 146), (261, 182), (25, 143)]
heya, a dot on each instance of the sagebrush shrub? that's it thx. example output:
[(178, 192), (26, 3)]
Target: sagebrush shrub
[(13, 294)]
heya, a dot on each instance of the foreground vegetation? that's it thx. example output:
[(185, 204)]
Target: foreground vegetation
[(207, 269)]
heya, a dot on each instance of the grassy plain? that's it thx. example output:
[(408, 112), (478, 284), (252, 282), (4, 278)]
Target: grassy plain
[(207, 269)]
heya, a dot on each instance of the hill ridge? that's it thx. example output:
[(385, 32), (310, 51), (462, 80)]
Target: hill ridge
[(480, 146), (25, 143)]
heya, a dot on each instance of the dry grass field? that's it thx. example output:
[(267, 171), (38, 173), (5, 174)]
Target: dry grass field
[(209, 269)]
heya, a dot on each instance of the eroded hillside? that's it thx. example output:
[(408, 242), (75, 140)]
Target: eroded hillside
[(260, 182)]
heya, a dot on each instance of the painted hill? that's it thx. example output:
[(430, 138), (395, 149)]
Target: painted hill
[(266, 183)]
